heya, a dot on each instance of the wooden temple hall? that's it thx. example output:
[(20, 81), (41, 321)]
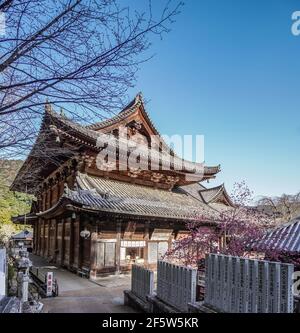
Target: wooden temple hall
[(102, 221)]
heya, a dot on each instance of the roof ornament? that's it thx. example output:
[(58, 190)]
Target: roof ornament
[(66, 188), (139, 97), (48, 107), (62, 112)]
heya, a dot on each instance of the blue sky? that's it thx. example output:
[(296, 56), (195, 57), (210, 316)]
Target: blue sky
[(230, 70)]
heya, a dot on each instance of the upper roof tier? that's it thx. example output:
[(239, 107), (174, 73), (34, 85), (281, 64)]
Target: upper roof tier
[(60, 139)]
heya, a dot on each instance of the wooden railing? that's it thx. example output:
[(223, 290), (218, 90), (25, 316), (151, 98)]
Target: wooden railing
[(39, 278)]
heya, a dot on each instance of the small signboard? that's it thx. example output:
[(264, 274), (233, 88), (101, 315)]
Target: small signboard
[(49, 282)]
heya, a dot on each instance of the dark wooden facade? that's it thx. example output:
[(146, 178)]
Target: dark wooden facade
[(97, 221)]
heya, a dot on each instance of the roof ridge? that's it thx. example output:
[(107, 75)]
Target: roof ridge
[(212, 188), (130, 107)]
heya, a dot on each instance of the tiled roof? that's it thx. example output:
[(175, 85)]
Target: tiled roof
[(110, 195), (130, 108), (193, 190), (209, 194), (206, 195), (23, 234), (82, 135), (105, 195), (285, 238)]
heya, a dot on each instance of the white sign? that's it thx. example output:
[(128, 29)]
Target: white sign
[(49, 283), (2, 272), (240, 285)]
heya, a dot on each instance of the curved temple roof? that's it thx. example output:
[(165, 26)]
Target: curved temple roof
[(285, 238), (55, 124), (208, 195)]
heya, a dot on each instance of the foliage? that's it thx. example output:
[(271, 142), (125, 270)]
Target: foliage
[(283, 208), (81, 54), (230, 232), (11, 203)]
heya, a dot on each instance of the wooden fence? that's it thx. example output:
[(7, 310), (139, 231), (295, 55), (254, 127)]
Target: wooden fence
[(239, 285), (176, 285), (142, 282)]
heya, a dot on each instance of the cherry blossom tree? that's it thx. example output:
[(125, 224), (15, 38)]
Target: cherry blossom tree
[(230, 231)]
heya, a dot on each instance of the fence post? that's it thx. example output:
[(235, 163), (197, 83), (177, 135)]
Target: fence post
[(142, 282), (176, 285)]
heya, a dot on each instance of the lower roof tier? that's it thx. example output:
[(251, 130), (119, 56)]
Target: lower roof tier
[(100, 194)]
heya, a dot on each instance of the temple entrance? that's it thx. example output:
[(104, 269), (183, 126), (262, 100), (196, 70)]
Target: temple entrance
[(132, 252), (106, 254), (156, 251)]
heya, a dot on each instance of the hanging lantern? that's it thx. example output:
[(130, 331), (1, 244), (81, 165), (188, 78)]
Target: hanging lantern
[(85, 233)]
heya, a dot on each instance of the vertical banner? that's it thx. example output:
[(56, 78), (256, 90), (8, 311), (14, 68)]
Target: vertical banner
[(227, 284), (274, 287), (49, 282), (233, 285), (286, 296), (244, 288), (253, 286)]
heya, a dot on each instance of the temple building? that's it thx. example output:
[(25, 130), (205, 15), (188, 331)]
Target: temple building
[(99, 220)]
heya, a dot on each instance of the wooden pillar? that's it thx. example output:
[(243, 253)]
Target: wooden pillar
[(55, 240), (38, 237), (76, 241), (79, 243), (35, 238), (48, 240), (62, 250), (118, 248), (93, 256), (146, 238), (71, 255), (44, 238)]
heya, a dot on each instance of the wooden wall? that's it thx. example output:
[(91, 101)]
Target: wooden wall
[(104, 251)]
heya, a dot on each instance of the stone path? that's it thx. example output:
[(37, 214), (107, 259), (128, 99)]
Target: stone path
[(81, 295)]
